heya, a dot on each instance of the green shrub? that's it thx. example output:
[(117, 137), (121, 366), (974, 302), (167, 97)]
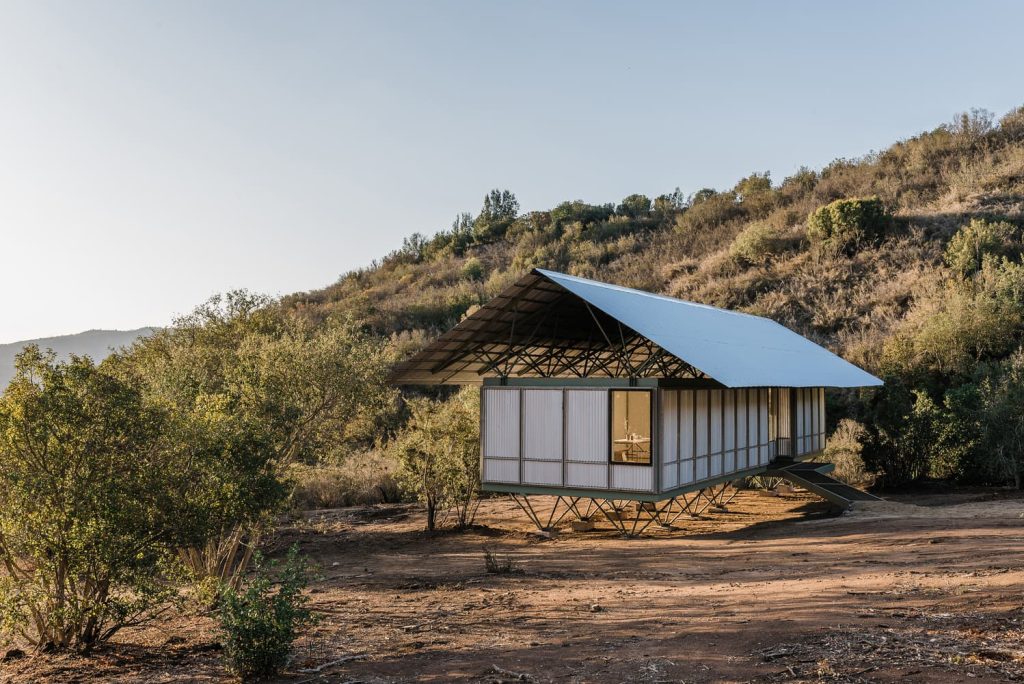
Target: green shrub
[(634, 206), (844, 450), (756, 243), (258, 623), (903, 429), (845, 225), (708, 210), (1011, 126), (968, 248), (87, 504), (473, 269), (439, 451)]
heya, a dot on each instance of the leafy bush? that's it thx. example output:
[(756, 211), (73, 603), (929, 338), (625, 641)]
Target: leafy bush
[(755, 244), (1011, 126), (843, 226), (902, 432), (968, 248), (709, 211), (439, 451), (252, 388), (634, 206), (87, 504), (473, 269), (258, 623), (1001, 409), (843, 449)]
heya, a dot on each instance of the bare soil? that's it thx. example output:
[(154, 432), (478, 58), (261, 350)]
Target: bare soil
[(921, 588)]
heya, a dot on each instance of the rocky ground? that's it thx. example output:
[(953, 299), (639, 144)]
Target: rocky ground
[(773, 589)]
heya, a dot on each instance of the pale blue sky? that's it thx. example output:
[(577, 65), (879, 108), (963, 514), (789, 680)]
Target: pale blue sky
[(154, 153)]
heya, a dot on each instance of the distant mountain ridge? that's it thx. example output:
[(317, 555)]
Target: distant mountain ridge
[(97, 344)]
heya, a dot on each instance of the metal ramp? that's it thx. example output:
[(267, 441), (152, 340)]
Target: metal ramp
[(813, 477)]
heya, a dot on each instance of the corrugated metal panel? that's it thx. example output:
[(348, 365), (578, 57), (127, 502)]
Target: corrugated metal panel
[(784, 420), (821, 412), (715, 465), (587, 425), (752, 411), (542, 424), (501, 422), (716, 421), (742, 438), (702, 420), (669, 426), (542, 472), (763, 408), (729, 462), (686, 424), (729, 418), (496, 470), (702, 468), (635, 478), (669, 476), (591, 475), (686, 471)]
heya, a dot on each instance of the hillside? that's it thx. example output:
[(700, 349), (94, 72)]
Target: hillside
[(93, 343), (929, 293), (687, 246)]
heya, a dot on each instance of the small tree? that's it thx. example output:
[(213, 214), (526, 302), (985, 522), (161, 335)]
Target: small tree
[(87, 501), (499, 211), (1001, 403), (439, 452), (903, 429), (259, 624), (967, 250), (252, 388), (634, 206), (843, 226)]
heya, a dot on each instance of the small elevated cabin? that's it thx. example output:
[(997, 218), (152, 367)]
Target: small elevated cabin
[(598, 391)]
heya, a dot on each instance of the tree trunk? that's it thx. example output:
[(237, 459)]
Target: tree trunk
[(431, 513)]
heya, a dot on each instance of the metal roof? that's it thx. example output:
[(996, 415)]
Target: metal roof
[(550, 324)]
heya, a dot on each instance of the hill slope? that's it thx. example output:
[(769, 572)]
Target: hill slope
[(744, 248), (94, 343)]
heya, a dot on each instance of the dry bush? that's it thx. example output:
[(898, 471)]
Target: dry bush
[(499, 565), (362, 478), (843, 448)]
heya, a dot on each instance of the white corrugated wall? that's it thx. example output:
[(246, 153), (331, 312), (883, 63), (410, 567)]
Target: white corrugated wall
[(542, 425), (499, 412), (586, 426)]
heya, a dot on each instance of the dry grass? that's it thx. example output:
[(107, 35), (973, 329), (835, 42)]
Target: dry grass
[(362, 479)]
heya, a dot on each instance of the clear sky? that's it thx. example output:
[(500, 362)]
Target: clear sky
[(154, 153)]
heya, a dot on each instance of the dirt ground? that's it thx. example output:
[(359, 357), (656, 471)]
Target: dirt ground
[(926, 588)]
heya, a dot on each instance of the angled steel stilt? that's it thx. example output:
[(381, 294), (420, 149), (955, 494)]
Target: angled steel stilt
[(528, 509)]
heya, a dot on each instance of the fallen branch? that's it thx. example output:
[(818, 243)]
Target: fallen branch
[(339, 661), (519, 676)]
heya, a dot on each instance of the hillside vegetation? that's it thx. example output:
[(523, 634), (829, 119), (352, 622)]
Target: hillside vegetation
[(905, 261)]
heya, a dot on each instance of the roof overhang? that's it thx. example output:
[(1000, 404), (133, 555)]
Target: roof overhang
[(550, 325)]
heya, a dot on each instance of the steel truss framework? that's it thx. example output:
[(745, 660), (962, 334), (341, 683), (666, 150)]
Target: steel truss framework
[(629, 517), (539, 329)]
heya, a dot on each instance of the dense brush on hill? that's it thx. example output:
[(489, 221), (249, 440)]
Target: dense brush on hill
[(874, 278)]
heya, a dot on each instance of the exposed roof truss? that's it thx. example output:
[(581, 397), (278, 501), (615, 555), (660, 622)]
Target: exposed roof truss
[(536, 328)]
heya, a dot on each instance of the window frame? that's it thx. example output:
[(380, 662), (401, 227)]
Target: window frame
[(611, 412)]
